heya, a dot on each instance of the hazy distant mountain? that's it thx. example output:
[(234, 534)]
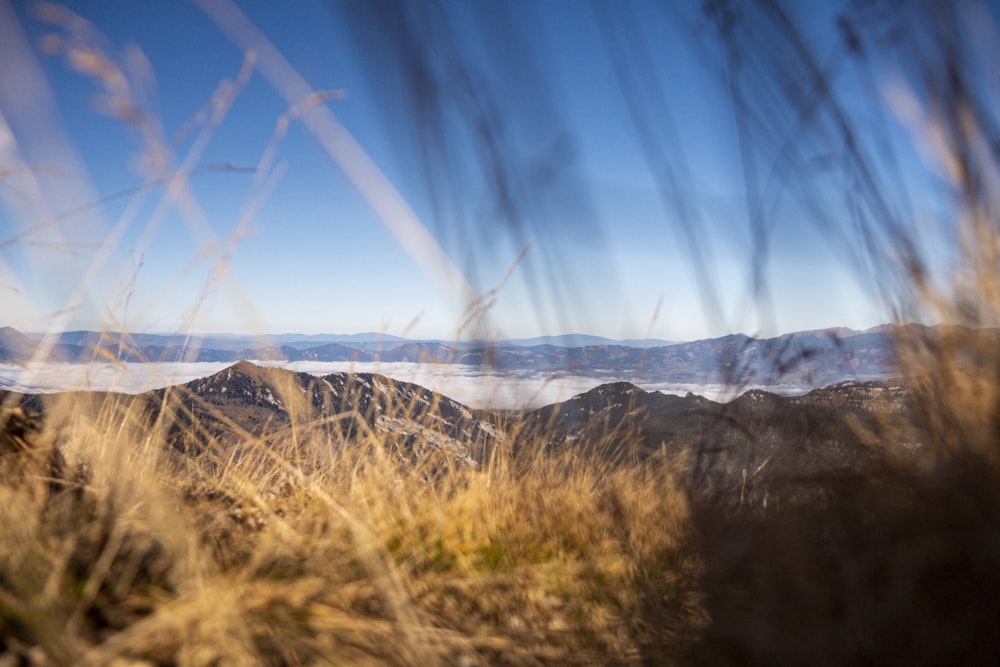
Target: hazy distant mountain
[(335, 352), (18, 347), (225, 342), (420, 352), (15, 345), (178, 353), (370, 340), (582, 340)]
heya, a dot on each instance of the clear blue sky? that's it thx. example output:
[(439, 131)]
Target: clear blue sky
[(312, 256)]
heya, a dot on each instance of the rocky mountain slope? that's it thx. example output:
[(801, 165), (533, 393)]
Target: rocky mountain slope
[(247, 408), (758, 446)]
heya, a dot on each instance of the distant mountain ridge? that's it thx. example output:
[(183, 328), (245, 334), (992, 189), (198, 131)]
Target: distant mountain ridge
[(583, 340), (221, 342), (810, 358), (371, 341)]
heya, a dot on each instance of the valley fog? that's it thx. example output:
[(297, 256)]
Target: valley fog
[(472, 385)]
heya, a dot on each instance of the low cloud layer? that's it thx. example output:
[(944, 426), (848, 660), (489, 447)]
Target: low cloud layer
[(473, 386)]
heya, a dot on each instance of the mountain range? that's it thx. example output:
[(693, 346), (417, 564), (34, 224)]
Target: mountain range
[(812, 358), (371, 341), (758, 445)]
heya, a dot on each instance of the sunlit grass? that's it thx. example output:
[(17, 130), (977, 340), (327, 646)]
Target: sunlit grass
[(157, 555)]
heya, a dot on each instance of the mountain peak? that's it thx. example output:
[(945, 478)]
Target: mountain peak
[(619, 388), (242, 366), (250, 371)]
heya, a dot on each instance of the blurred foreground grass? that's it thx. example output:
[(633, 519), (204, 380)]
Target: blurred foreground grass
[(159, 557)]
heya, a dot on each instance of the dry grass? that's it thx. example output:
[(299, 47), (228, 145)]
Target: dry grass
[(161, 557), (326, 547)]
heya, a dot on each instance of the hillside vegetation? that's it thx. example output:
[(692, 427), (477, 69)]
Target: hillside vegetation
[(329, 549)]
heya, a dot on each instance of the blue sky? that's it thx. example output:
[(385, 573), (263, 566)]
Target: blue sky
[(606, 255)]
